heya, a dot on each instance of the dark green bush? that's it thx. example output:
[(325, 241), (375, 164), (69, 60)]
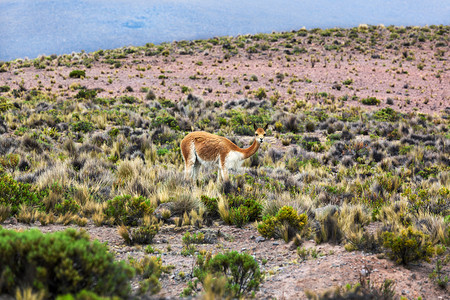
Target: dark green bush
[(286, 224), (211, 205), (4, 89), (407, 246), (83, 126), (5, 104), (129, 99), (14, 194), (151, 269), (144, 235), (165, 119), (85, 295), (128, 210), (386, 114), (86, 94), (77, 74), (60, 263), (240, 270), (254, 207), (239, 216), (370, 101)]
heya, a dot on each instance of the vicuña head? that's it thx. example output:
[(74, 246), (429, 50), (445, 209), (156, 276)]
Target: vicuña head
[(203, 148)]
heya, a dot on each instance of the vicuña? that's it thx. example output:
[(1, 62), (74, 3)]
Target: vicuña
[(203, 148)]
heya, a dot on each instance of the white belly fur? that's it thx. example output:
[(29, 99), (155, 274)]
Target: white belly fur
[(234, 160)]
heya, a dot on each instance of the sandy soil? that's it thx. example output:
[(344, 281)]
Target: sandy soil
[(287, 277), (420, 84)]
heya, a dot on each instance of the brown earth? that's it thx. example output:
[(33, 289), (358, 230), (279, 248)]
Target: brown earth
[(287, 277), (415, 77)]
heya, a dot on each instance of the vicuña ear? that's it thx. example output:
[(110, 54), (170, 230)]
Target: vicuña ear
[(265, 127), (254, 126)]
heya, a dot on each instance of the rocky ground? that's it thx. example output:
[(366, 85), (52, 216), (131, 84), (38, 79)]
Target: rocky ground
[(286, 275)]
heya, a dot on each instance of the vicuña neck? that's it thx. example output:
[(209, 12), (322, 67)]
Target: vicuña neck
[(250, 150)]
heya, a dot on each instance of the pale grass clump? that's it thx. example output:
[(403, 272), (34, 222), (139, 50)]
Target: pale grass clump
[(91, 207), (27, 214), (396, 215), (100, 120), (352, 217), (4, 212), (224, 210), (56, 174), (29, 294), (434, 226), (66, 219), (300, 202), (46, 218)]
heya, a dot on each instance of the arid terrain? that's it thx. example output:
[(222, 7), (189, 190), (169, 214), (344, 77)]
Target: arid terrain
[(358, 148)]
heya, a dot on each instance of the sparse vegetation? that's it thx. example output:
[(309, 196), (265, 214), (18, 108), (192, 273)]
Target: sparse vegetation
[(349, 162)]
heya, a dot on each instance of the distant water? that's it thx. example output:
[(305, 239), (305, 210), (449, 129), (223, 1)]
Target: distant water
[(29, 28)]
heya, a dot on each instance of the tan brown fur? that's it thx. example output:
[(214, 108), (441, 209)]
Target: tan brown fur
[(202, 147)]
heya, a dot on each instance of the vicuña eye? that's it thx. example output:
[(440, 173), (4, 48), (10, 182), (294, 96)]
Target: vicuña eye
[(264, 134)]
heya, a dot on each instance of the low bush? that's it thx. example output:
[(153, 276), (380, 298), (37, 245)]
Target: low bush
[(407, 246), (142, 235), (77, 74), (240, 270), (128, 210), (253, 208), (13, 194), (83, 126), (386, 114), (60, 263), (211, 204), (370, 101), (286, 224)]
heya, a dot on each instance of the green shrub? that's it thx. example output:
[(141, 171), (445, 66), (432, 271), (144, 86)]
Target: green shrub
[(85, 295), (286, 224), (83, 126), (211, 205), (239, 216), (86, 94), (260, 93), (370, 101), (5, 104), (165, 119), (386, 114), (4, 89), (68, 205), (144, 234), (407, 246), (240, 270), (77, 74), (59, 263), (128, 210), (129, 99), (254, 207), (151, 269), (196, 238), (13, 194)]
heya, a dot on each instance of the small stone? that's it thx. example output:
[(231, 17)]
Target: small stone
[(275, 243), (243, 249), (252, 237), (259, 239), (413, 276)]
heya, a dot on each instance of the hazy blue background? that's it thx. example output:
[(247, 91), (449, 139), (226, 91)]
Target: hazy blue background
[(29, 28)]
